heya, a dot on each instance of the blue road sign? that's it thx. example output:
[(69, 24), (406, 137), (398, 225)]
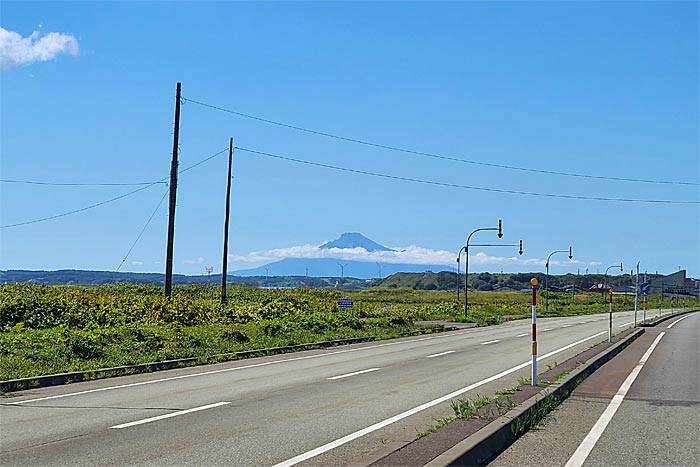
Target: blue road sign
[(645, 288), (345, 303)]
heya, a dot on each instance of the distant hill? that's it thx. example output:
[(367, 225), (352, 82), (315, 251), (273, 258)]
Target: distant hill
[(79, 277), (486, 281)]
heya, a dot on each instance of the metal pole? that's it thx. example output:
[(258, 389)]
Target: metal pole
[(224, 269), (636, 295), (533, 377), (173, 195), (546, 288), (466, 277), (610, 326), (458, 284)]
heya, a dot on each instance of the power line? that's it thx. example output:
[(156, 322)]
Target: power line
[(75, 211), (435, 155), (162, 180), (467, 187), (143, 229), (35, 182)]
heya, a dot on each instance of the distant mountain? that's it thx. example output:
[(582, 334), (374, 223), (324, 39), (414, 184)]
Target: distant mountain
[(329, 267), (355, 240)]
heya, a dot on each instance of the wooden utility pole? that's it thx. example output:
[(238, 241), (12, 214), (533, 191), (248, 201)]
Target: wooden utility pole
[(173, 195), (224, 298)]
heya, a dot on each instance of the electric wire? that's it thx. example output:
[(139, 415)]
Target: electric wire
[(102, 203), (435, 155), (35, 182), (75, 211), (467, 187), (144, 228)]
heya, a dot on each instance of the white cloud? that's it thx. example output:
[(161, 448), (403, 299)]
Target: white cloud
[(137, 263), (199, 260), (408, 255), (16, 51)]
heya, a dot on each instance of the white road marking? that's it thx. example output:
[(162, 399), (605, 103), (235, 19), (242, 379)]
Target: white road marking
[(523, 335), (491, 342), (353, 373), (440, 354), (594, 435), (626, 324), (548, 329), (170, 415), (567, 325), (225, 370), (679, 319), (358, 434)]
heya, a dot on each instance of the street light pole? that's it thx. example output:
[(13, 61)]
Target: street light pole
[(458, 257), (605, 276), (546, 277), (636, 295), (466, 262)]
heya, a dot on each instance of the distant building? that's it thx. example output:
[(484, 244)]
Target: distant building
[(676, 283)]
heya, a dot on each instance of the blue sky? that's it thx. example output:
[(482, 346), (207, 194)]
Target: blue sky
[(601, 88)]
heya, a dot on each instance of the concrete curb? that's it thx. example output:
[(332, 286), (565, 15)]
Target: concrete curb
[(486, 444), (78, 376), (654, 321)]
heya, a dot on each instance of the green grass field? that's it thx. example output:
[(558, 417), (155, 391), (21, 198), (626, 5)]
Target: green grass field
[(54, 329)]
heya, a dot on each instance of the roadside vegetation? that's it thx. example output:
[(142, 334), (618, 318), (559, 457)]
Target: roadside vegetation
[(55, 329)]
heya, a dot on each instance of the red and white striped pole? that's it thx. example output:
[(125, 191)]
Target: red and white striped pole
[(534, 331), (610, 326)]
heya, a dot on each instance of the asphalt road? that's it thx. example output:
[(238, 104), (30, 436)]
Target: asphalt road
[(322, 407), (656, 423)]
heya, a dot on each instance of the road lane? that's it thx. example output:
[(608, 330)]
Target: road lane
[(287, 401), (657, 422)]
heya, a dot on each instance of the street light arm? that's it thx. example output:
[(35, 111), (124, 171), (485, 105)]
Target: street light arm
[(479, 230), (558, 251)]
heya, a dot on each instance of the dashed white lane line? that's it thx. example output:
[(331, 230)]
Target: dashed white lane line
[(589, 442), (567, 325), (523, 335), (353, 373), (626, 324), (238, 368), (491, 342), (679, 319), (364, 431), (548, 329), (170, 415), (440, 354)]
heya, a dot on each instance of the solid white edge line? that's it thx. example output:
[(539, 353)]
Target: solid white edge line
[(589, 442), (353, 373), (491, 342), (626, 324), (170, 415), (440, 354), (358, 434), (679, 319)]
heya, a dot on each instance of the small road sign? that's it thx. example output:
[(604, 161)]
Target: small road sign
[(345, 303), (645, 288)]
